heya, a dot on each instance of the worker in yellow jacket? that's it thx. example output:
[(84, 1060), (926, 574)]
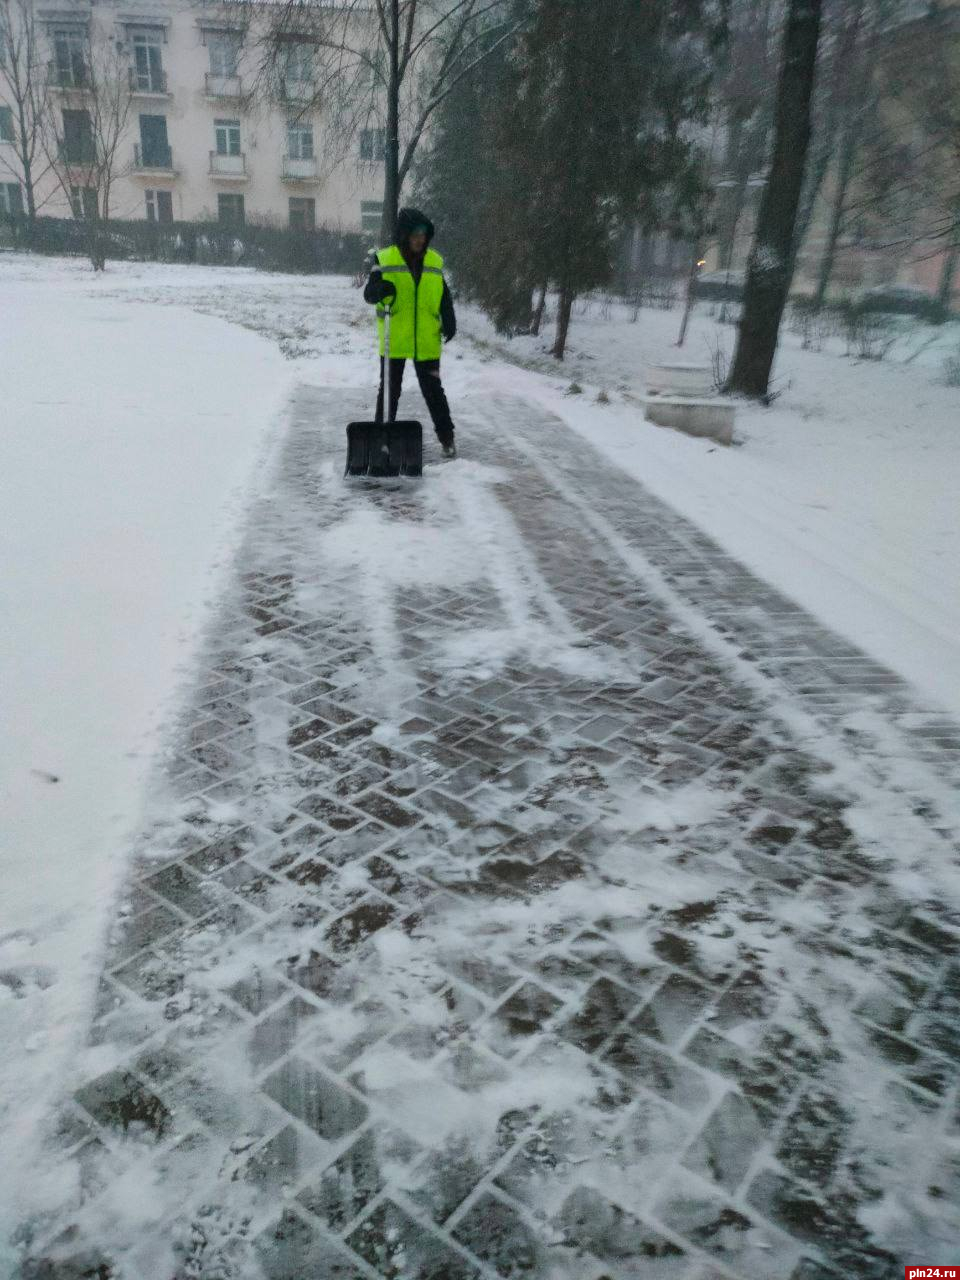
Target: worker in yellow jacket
[(408, 278)]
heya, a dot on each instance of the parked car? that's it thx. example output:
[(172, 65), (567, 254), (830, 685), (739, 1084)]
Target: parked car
[(901, 300), (720, 286)]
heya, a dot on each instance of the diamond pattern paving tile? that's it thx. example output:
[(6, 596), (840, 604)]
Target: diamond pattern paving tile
[(275, 1034), (524, 1014), (494, 922), (722, 1230), (500, 1236), (119, 1101), (642, 1062), (293, 1250), (282, 1162), (348, 1185), (315, 1098), (588, 1220), (394, 1244), (728, 1143)]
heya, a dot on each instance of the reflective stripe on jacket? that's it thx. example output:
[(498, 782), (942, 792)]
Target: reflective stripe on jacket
[(415, 313)]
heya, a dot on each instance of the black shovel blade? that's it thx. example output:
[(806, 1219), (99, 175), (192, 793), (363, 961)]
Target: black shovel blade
[(384, 449)]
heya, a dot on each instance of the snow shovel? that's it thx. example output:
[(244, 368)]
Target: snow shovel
[(388, 448)]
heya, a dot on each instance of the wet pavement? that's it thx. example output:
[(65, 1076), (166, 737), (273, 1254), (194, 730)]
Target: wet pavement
[(529, 892)]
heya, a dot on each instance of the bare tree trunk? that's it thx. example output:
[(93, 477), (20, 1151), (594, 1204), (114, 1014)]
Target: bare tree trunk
[(771, 259), (731, 201), (690, 300), (26, 161), (28, 186), (537, 318), (391, 177), (837, 209), (947, 277), (725, 258), (96, 246), (564, 309)]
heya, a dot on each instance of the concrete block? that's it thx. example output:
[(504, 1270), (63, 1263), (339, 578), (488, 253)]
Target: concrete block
[(713, 418), (680, 378)]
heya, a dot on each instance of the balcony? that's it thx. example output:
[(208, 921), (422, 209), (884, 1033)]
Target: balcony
[(297, 169), (153, 160), (148, 84), (223, 86), (68, 78), (228, 168)]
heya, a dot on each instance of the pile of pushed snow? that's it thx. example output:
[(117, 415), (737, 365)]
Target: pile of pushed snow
[(130, 435)]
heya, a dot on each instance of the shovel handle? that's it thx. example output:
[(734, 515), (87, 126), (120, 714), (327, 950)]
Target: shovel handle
[(385, 367)]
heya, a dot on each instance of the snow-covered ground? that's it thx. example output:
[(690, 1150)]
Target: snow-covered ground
[(136, 420), (130, 436), (843, 492)]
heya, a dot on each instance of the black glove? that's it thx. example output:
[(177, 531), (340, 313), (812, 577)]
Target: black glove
[(380, 290)]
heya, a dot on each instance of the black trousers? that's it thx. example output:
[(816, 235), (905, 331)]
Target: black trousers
[(428, 375)]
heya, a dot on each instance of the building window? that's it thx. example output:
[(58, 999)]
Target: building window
[(83, 201), (228, 137), (148, 62), (6, 124), (296, 61), (299, 140), (373, 143), (69, 57), (224, 49), (371, 213), (230, 209), (11, 200), (303, 213), (155, 150), (78, 145), (159, 206)]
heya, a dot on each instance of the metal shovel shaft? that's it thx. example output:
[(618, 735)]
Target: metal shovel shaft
[(387, 397)]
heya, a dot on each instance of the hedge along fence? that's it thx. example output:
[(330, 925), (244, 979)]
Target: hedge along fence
[(869, 331), (268, 248)]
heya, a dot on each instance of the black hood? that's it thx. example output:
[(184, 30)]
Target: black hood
[(407, 221)]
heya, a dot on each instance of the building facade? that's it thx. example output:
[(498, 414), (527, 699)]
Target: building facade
[(206, 134)]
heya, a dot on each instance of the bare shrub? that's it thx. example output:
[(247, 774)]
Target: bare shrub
[(719, 363)]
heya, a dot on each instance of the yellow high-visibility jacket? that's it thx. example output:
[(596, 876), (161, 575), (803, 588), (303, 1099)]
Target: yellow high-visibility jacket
[(415, 329)]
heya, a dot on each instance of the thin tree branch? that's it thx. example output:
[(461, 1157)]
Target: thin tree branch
[(437, 98)]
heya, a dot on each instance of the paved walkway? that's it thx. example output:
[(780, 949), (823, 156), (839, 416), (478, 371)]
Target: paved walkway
[(531, 893)]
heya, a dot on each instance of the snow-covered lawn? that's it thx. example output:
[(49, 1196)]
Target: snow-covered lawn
[(139, 410)]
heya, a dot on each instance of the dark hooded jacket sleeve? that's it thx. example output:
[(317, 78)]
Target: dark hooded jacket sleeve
[(448, 317), (373, 290)]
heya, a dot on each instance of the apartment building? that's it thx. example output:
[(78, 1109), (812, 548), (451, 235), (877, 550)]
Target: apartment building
[(197, 144)]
